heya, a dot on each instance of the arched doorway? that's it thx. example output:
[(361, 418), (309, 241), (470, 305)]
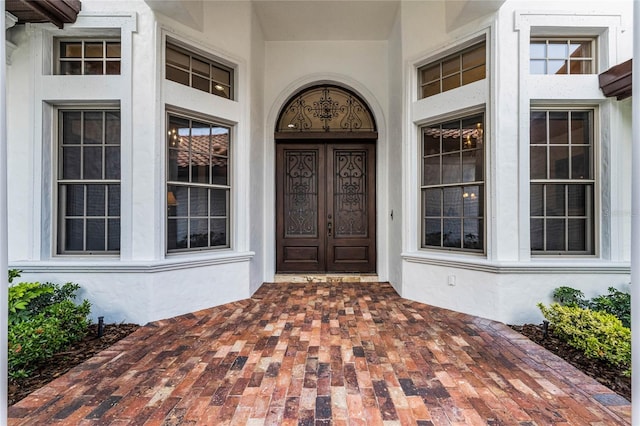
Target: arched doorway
[(325, 183)]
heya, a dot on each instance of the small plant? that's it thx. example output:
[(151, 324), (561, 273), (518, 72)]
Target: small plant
[(598, 334), (568, 296)]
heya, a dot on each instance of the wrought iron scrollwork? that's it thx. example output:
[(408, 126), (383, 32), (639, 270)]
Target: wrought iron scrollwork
[(326, 109)]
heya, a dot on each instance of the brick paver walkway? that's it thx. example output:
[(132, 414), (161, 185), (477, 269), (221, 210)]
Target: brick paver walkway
[(324, 354)]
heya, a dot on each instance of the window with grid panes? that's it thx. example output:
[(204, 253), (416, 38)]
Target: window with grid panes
[(198, 184), (562, 56), (191, 69), (562, 181), (453, 184), (88, 57), (453, 71), (88, 181)]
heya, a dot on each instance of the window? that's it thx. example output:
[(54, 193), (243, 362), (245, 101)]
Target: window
[(453, 71), (562, 182), (562, 56), (88, 184), (88, 57), (196, 71), (198, 187), (453, 184)]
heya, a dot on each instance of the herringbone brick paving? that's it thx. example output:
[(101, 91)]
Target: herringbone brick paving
[(324, 354)]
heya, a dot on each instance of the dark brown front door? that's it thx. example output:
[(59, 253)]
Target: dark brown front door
[(325, 207)]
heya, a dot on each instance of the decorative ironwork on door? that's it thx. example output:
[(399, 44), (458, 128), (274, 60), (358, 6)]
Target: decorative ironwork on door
[(301, 193), (350, 192), (326, 108)]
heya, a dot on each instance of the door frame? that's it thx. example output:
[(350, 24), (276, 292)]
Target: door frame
[(266, 246)]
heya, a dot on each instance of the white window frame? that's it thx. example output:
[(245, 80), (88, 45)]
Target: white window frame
[(592, 59), (58, 60)]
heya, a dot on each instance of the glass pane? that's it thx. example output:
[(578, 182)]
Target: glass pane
[(72, 49), (451, 233), (431, 172), (93, 67), (96, 233), (577, 234), (219, 235), (558, 50), (113, 68), (200, 67), (177, 58), (93, 50), (473, 234), (538, 50), (92, 162), (178, 166), (113, 49), (538, 127), (472, 132), (474, 58), (537, 234), (432, 202), (580, 66), (474, 74), (556, 67), (219, 202), (74, 234), (220, 141), (555, 200), (199, 199), (113, 234), (581, 127), (472, 200), (179, 76), (451, 66), (199, 233), (578, 196), (177, 230), (199, 168), (538, 66), (220, 75), (432, 232), (71, 127), (431, 89), (70, 68), (451, 136), (555, 235), (73, 196), (580, 162), (114, 200), (92, 127), (452, 202), (429, 74), (181, 194), (451, 82), (558, 162), (451, 168), (472, 166), (223, 91), (96, 200), (200, 83), (200, 147), (431, 140), (580, 49), (172, 201), (219, 170), (536, 200), (112, 127), (71, 159), (538, 162), (558, 127)]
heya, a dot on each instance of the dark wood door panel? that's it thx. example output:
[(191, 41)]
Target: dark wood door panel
[(325, 216)]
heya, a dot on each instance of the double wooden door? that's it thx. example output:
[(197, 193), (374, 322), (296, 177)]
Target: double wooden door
[(325, 217)]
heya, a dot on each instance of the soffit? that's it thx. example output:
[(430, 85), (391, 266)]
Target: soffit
[(58, 12), (616, 81)]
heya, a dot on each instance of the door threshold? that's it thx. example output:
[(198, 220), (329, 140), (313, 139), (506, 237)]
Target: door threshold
[(326, 278)]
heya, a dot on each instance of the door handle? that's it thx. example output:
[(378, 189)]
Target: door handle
[(329, 228)]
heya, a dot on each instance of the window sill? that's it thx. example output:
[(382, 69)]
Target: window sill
[(112, 265)]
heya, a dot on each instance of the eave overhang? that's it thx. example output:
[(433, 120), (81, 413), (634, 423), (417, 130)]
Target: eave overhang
[(616, 81), (58, 12)]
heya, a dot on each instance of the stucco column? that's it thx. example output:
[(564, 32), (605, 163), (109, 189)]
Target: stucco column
[(635, 216), (3, 221)]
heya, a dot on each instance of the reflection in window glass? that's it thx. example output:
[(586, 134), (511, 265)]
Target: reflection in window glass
[(88, 57), (561, 56)]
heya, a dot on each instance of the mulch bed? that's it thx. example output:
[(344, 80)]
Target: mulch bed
[(65, 361), (609, 375)]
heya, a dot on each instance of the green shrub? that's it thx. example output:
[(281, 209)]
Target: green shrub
[(43, 319), (598, 334), (617, 302), (568, 296)]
